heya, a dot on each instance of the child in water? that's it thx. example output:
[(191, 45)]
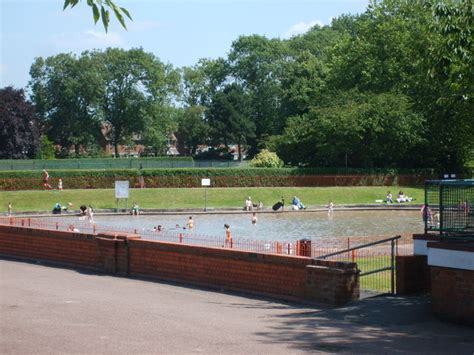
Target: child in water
[(254, 218)]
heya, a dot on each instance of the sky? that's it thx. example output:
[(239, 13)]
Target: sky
[(178, 32)]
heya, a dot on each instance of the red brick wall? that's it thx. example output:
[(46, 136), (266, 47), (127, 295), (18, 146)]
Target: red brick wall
[(280, 276), (452, 293), (64, 247), (412, 274), (230, 269)]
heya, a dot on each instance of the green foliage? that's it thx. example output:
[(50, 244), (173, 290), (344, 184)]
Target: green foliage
[(101, 9), (47, 149), (266, 159)]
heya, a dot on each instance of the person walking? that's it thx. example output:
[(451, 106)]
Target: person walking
[(10, 209), (46, 184)]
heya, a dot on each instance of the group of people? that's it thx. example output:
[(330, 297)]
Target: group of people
[(249, 205), (401, 197), (47, 185)]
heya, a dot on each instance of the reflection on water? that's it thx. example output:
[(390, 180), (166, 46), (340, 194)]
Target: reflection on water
[(277, 226)]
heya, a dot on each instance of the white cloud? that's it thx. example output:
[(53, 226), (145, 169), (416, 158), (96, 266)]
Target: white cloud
[(85, 40), (300, 28)]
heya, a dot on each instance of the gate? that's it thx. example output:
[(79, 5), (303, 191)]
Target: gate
[(375, 260)]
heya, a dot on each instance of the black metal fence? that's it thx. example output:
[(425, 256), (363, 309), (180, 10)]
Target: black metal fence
[(449, 207)]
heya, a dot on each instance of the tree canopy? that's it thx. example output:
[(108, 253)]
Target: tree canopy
[(391, 87)]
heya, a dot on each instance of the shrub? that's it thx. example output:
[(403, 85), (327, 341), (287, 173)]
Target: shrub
[(266, 159)]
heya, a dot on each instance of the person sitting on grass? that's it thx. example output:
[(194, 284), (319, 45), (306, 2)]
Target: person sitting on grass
[(297, 204)]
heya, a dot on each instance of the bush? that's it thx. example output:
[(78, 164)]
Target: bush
[(266, 159)]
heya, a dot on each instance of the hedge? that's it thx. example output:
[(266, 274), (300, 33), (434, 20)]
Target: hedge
[(210, 172), (254, 177)]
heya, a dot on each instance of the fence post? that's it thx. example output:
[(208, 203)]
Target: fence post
[(180, 237), (57, 226), (392, 267)]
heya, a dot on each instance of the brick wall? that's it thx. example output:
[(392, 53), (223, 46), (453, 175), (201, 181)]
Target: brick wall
[(279, 276), (452, 292), (64, 247), (412, 274)]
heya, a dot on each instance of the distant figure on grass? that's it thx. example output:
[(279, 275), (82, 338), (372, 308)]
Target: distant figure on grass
[(297, 204), (260, 206), (190, 223), (228, 236), (135, 210), (9, 209), (254, 218), (248, 204), (60, 184), (46, 184), (389, 197)]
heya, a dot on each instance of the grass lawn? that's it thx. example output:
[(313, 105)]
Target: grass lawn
[(379, 281), (194, 197)]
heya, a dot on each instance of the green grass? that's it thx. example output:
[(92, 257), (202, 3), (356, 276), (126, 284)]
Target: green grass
[(378, 281), (194, 197)]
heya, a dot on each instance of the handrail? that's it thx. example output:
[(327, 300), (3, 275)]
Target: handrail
[(359, 247)]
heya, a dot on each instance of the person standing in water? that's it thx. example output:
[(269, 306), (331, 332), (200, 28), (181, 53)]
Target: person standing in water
[(228, 236), (190, 223), (330, 208), (254, 218)]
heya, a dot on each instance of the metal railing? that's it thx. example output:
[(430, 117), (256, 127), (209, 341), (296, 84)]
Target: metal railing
[(367, 259)]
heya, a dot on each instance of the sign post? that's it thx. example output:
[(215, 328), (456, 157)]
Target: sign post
[(121, 191), (205, 183)]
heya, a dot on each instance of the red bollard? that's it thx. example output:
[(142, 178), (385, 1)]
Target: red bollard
[(29, 222), (93, 229), (180, 237)]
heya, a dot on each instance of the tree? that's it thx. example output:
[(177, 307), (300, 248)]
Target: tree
[(136, 93), (256, 63), (66, 89), (104, 12), (192, 128), (46, 149), (353, 129), (230, 117), (19, 133)]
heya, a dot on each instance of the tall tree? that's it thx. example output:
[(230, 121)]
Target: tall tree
[(19, 133), (230, 117), (256, 63), (137, 89), (66, 89)]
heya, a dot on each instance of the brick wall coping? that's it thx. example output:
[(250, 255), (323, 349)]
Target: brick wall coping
[(455, 245), (428, 237)]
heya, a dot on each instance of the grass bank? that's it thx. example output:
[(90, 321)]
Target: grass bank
[(194, 197)]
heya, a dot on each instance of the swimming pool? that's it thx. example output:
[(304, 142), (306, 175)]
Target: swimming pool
[(288, 226)]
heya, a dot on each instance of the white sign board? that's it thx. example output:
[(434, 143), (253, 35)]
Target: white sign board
[(121, 189), (205, 182)]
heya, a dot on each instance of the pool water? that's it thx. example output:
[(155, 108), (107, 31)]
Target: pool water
[(288, 226)]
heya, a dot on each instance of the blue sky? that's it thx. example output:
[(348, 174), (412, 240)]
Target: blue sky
[(179, 32)]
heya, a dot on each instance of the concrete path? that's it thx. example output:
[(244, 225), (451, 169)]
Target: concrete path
[(49, 310)]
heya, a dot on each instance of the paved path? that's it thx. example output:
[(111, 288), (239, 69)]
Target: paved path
[(52, 310)]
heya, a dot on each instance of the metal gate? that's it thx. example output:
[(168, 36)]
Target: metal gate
[(375, 260)]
